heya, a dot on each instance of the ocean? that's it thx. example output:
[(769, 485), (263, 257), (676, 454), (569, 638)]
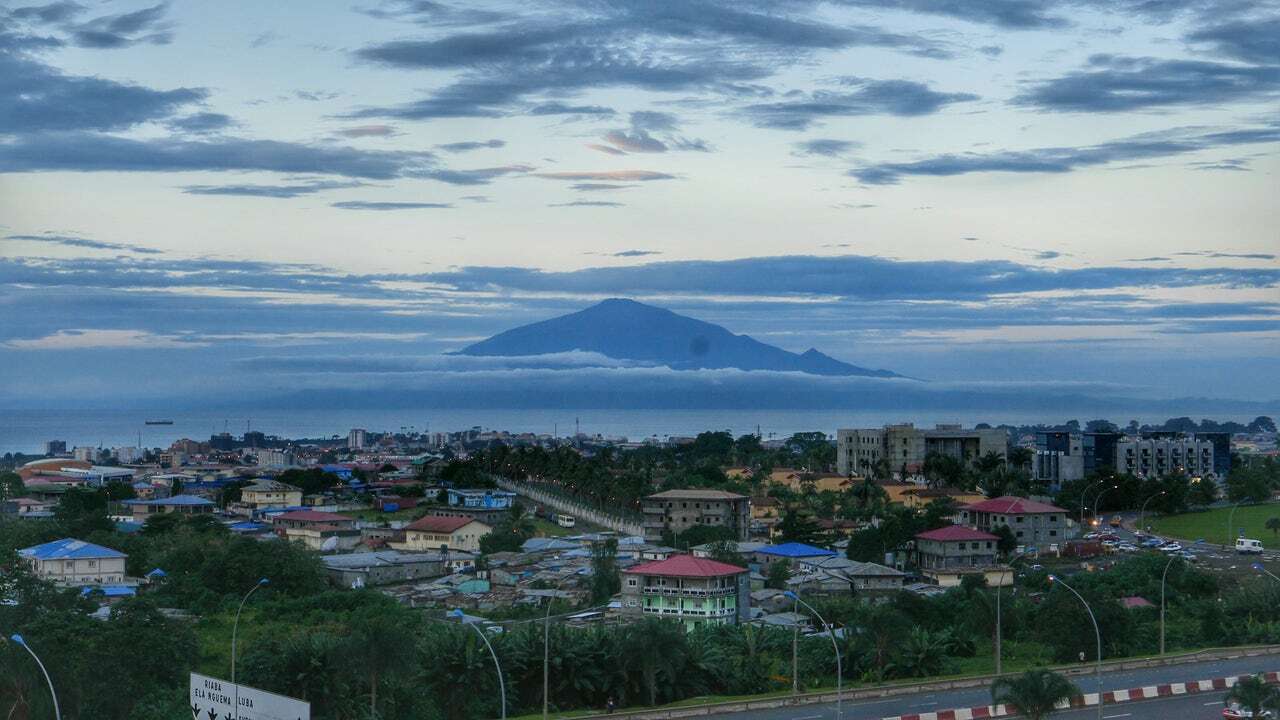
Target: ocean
[(26, 431)]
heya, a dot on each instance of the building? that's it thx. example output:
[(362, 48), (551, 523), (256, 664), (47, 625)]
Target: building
[(55, 447), (386, 567), (945, 554), (1058, 457), (488, 506), (1165, 454), (679, 510), (801, 480), (1032, 523), (433, 532), (98, 475), (1221, 442), (181, 504), (902, 448), (357, 439), (1099, 451), (270, 495), (127, 455), (273, 457), (694, 591), (792, 552), (317, 530), (75, 563), (842, 575), (85, 454)]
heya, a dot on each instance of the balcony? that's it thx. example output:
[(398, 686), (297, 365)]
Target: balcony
[(688, 592)]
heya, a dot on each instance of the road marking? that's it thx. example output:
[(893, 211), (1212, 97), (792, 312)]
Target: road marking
[(808, 717), (1215, 702), (1108, 717), (935, 702)]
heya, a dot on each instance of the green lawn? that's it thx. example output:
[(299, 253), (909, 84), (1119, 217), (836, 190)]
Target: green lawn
[(1212, 524)]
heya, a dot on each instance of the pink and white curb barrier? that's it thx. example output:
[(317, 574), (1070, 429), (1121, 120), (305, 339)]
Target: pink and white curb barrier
[(1109, 697)]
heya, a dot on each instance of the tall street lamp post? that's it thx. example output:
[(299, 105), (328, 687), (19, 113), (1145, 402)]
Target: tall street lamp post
[(1230, 527), (1096, 632), (999, 629), (1084, 494), (235, 627), (18, 640), (834, 646), (1098, 499), (1142, 513), (1164, 576), (502, 685)]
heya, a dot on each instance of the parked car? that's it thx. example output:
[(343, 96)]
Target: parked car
[(1152, 543), (1092, 535), (1188, 556), (1170, 547), (1127, 547)]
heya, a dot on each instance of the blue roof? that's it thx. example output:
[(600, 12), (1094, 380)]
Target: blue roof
[(157, 573), (247, 526), (69, 549), (185, 500), (127, 527), (110, 590), (795, 549)]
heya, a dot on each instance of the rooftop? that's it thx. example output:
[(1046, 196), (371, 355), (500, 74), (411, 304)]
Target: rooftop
[(184, 500), (311, 516), (695, 494), (1010, 505), (955, 533), (70, 549), (435, 524), (685, 566), (272, 486), (795, 550)]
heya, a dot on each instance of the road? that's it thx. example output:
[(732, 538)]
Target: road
[(1115, 680), (1185, 707)]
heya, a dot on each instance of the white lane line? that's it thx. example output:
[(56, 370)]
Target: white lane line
[(808, 717), (1215, 702), (1108, 717)]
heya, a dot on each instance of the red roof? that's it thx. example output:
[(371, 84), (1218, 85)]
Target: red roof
[(432, 523), (1010, 505), (312, 516), (1136, 602), (955, 533), (685, 566)]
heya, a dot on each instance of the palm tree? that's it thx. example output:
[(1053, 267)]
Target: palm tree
[(656, 649), (1035, 694), (1253, 694), (1273, 525), (382, 643)]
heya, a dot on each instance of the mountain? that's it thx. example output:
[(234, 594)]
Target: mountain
[(628, 330)]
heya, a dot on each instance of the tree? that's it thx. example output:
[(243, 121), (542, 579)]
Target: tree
[(1254, 694), (1262, 424), (725, 551), (1035, 693), (1007, 542), (1202, 493), (921, 654), (779, 573), (940, 469), (1273, 524), (657, 649), (605, 582), (381, 642), (798, 527)]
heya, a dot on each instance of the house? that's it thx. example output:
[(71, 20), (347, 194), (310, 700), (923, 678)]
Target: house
[(433, 532), (802, 480), (180, 504), (488, 506), (270, 495), (678, 510), (792, 552), (765, 513), (356, 570), (317, 530), (840, 574), (694, 591), (73, 562), (1032, 523), (1134, 602), (947, 553)]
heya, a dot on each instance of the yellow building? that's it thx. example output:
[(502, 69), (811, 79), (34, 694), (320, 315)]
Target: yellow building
[(455, 533), (270, 495)]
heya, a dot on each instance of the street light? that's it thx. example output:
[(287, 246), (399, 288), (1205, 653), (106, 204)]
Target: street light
[(17, 640), (1231, 529), (1142, 513), (1096, 632), (999, 630), (1263, 570), (546, 652), (502, 686), (790, 595), (234, 628), (1099, 499), (1163, 576), (1084, 494)]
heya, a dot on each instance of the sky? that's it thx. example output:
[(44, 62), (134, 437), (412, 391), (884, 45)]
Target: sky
[(259, 199)]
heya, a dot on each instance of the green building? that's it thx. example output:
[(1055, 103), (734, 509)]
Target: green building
[(689, 589)]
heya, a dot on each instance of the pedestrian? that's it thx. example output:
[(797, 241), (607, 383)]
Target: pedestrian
[(608, 706)]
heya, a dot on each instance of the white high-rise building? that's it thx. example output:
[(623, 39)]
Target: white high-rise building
[(86, 453), (127, 455), (357, 438)]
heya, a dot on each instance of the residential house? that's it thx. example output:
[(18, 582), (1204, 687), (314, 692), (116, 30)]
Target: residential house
[(802, 480), (1032, 523), (387, 567), (946, 554), (269, 495), (433, 532), (317, 530), (792, 552), (180, 504), (694, 591), (488, 506), (679, 510), (73, 562)]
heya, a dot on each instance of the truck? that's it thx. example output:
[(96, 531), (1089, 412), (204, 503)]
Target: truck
[(1248, 546)]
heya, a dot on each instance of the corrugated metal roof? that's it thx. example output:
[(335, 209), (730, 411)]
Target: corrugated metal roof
[(70, 549)]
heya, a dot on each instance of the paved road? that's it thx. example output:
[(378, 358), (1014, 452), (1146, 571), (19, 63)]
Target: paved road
[(1184, 707), (1116, 680)]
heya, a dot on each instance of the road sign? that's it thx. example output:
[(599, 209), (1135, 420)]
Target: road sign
[(214, 699)]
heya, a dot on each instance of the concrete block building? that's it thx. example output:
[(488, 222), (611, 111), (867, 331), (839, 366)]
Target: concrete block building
[(680, 510), (904, 447), (75, 563), (694, 591), (1032, 523)]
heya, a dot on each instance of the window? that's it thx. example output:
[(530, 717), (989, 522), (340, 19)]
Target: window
[(1053, 533), (1020, 518), (631, 582), (1019, 533)]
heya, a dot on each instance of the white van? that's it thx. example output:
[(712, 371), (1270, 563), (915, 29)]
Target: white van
[(1245, 546)]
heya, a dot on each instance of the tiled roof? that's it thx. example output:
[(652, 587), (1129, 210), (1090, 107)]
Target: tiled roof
[(693, 494), (1010, 505), (432, 523), (311, 516), (952, 533), (69, 549), (685, 566)]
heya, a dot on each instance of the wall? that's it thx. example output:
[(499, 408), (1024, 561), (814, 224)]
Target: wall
[(572, 507)]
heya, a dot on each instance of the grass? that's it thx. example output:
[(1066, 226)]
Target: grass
[(1212, 524)]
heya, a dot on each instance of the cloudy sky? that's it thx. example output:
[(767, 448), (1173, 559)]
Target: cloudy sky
[(247, 196)]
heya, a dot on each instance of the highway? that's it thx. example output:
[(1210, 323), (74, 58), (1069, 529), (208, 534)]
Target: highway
[(1194, 707)]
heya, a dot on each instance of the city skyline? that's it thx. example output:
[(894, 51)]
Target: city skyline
[(1054, 197)]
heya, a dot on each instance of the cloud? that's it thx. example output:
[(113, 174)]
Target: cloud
[(991, 50), (903, 98), (91, 339), (852, 206), (367, 205), (1253, 41), (606, 149), (1061, 160), (53, 13), (653, 120), (432, 14), (639, 141), (474, 176), (606, 176), (459, 147), (587, 203), (597, 187), (1008, 14), (125, 30), (559, 108), (71, 241), (1121, 84), (360, 131), (264, 39), (636, 253), (270, 191), (316, 95), (200, 123), (825, 147), (1227, 255)]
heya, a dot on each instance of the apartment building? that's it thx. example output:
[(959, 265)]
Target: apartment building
[(904, 447), (1032, 523), (75, 563), (1165, 454), (691, 590), (680, 510)]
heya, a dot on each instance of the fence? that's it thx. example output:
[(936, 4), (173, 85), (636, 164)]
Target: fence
[(573, 507)]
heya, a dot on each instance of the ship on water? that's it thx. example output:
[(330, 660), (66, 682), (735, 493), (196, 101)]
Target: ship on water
[(159, 422)]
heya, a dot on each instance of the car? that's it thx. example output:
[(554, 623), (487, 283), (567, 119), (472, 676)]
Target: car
[(1127, 547), (1170, 547), (1152, 543), (1248, 546), (1092, 535), (1235, 712), (1188, 556), (1109, 536)]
